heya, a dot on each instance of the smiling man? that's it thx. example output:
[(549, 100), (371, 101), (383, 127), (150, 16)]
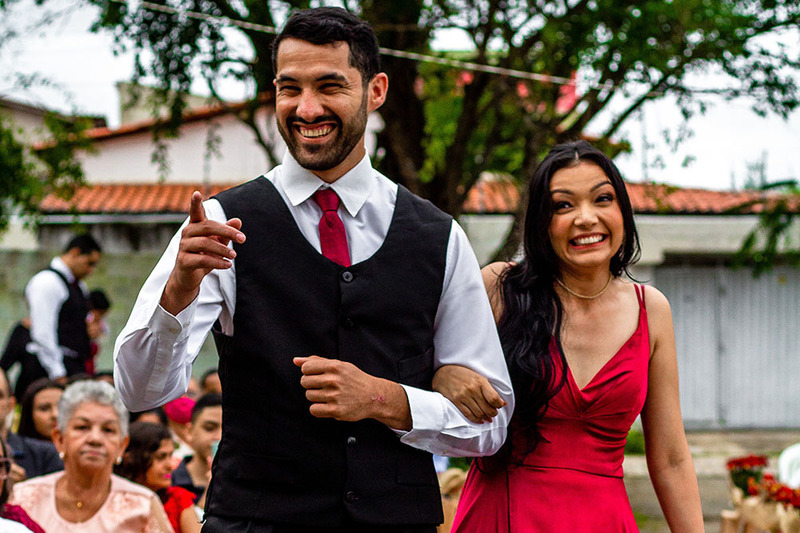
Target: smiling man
[(333, 315)]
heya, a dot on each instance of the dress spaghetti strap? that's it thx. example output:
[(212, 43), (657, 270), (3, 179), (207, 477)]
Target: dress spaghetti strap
[(640, 294)]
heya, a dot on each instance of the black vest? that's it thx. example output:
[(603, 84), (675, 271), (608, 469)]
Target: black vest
[(276, 462), (72, 332)]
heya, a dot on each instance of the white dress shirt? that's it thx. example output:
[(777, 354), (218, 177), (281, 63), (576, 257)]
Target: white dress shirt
[(45, 294), (153, 354)]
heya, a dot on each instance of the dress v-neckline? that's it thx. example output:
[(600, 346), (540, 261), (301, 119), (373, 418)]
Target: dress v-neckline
[(571, 378)]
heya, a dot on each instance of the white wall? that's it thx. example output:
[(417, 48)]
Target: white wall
[(128, 159)]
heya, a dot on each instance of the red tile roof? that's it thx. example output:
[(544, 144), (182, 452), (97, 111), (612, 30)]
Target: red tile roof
[(501, 196), (490, 196), (129, 199)]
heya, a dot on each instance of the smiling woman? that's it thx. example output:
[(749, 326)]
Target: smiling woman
[(148, 461), (588, 352), (86, 497)]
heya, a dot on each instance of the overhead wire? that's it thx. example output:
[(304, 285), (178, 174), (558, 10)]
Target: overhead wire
[(424, 58)]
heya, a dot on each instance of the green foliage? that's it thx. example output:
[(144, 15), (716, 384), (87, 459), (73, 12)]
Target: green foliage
[(634, 445), (445, 126), (772, 241), (460, 462), (27, 175)]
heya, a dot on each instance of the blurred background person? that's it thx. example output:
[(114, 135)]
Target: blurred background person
[(148, 461), (210, 383), (87, 497), (99, 304), (154, 416), (194, 471), (39, 413), (16, 352), (179, 421), (193, 390), (58, 305), (30, 457), (105, 375), (13, 518)]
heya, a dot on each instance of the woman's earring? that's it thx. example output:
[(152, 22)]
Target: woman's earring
[(61, 455), (119, 460)]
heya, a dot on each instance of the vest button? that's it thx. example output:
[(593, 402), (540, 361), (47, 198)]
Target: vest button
[(348, 323), (350, 497), (351, 441), (347, 276)]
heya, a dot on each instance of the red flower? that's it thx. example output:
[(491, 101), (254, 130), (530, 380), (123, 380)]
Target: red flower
[(747, 462)]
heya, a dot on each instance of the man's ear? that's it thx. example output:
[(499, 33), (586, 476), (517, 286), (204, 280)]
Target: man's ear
[(376, 90)]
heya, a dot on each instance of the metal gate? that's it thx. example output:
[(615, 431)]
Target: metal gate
[(738, 341)]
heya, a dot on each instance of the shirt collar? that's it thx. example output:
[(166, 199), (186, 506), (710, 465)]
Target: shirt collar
[(353, 188), (58, 264)]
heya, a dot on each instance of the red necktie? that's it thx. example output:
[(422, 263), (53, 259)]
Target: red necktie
[(332, 237)]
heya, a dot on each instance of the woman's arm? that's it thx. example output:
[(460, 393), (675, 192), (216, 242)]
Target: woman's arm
[(189, 521), (469, 391), (668, 458)]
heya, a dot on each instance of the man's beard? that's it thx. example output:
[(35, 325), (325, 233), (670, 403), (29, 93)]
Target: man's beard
[(329, 155)]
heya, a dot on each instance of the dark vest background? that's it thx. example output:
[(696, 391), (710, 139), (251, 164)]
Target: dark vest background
[(278, 463), (72, 332)]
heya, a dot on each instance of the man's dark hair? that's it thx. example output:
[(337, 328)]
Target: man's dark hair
[(212, 399), (98, 300), (207, 374), (326, 25), (145, 440), (158, 411), (27, 428), (85, 243)]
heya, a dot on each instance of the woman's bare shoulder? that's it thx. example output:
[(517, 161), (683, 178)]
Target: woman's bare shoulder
[(655, 301)]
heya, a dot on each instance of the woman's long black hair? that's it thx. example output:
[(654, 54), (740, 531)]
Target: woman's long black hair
[(27, 427), (532, 311)]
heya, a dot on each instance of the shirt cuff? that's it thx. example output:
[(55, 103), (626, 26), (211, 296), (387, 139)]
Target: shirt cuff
[(427, 414)]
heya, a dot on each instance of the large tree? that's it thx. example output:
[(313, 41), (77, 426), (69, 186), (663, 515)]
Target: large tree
[(446, 125), (29, 173)]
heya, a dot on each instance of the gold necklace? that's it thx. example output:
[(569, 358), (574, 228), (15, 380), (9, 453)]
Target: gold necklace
[(584, 296)]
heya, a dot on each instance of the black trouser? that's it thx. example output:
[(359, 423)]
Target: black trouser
[(216, 524)]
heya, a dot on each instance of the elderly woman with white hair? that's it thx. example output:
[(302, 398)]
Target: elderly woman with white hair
[(87, 497)]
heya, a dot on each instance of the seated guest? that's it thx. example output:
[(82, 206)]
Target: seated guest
[(179, 421), (154, 416), (87, 497), (39, 413), (193, 391), (210, 382), (30, 457), (13, 518), (99, 304), (105, 375), (148, 461), (194, 471)]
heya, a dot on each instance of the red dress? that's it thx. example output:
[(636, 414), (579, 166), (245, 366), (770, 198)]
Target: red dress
[(572, 481), (177, 499)]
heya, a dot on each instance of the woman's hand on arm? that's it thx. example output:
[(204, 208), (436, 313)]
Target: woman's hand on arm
[(668, 457), (469, 391)]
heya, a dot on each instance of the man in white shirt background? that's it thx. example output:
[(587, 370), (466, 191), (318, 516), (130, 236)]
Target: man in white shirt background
[(58, 305), (331, 316)]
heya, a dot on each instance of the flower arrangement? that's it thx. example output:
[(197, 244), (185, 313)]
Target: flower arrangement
[(772, 505), (771, 489), (742, 469)]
